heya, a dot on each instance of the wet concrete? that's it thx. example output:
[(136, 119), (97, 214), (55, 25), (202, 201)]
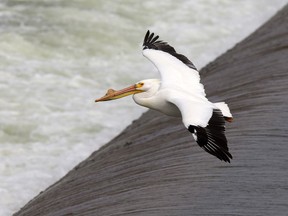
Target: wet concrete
[(155, 167)]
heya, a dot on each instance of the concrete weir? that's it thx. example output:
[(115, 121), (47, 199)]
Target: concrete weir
[(154, 167)]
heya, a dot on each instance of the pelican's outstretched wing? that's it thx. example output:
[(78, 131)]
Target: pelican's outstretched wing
[(205, 122), (175, 68)]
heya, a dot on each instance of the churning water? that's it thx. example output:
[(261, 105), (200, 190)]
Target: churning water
[(58, 56)]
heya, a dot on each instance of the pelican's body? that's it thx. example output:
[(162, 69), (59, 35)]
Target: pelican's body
[(179, 93)]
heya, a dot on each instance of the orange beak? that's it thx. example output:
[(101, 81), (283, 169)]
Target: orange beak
[(113, 94)]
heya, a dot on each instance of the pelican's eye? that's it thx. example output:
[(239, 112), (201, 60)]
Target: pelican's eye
[(139, 85)]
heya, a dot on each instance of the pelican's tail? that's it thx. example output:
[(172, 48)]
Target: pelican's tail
[(225, 111)]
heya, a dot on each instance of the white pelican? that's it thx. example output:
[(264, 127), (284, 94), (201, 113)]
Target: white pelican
[(180, 93)]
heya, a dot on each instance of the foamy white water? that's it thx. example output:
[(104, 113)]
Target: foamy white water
[(57, 57)]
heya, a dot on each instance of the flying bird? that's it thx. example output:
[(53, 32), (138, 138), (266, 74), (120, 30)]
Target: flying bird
[(179, 93)]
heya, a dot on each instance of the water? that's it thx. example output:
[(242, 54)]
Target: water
[(57, 57)]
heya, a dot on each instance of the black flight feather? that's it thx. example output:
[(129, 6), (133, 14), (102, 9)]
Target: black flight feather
[(151, 42), (212, 138)]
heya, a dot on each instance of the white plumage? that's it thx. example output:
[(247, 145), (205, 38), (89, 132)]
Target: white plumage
[(180, 93)]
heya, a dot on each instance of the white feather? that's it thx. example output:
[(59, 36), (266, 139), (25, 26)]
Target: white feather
[(194, 111), (180, 85), (224, 109), (174, 73)]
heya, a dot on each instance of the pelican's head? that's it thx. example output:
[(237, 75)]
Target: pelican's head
[(140, 87)]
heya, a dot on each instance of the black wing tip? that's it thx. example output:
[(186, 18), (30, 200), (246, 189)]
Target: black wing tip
[(151, 41), (212, 138)]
